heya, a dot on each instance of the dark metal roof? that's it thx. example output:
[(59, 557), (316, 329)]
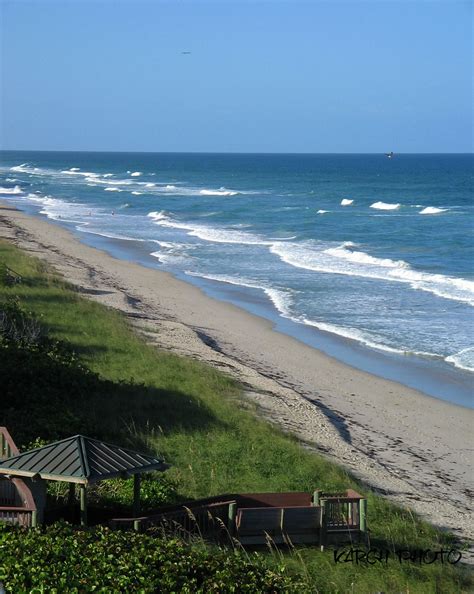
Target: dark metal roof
[(80, 459)]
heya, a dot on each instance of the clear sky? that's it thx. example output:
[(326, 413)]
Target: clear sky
[(275, 76)]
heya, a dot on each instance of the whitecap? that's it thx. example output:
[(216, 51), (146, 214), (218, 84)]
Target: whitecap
[(221, 192), (322, 211), (137, 193), (15, 190), (385, 206), (112, 189), (432, 210), (23, 168), (136, 174), (346, 202)]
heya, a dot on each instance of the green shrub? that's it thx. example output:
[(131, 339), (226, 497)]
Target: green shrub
[(63, 559)]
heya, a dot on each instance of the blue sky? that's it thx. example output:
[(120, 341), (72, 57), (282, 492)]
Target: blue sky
[(261, 76)]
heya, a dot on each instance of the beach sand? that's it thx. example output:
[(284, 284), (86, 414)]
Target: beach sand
[(414, 449)]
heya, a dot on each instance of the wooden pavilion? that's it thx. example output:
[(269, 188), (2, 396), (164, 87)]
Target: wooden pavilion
[(77, 460)]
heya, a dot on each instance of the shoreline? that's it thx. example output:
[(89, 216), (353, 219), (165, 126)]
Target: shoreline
[(371, 426), (432, 375)]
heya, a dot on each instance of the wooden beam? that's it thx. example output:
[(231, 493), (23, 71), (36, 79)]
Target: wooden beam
[(231, 514)]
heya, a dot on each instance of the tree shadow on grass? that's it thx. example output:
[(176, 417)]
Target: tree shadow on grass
[(53, 399)]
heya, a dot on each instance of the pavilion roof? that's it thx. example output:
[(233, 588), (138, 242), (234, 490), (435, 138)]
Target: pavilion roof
[(80, 459)]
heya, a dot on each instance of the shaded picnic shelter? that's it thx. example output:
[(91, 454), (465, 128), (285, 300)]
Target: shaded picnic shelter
[(78, 460)]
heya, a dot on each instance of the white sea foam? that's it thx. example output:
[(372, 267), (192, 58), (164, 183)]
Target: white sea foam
[(343, 259), (463, 360), (112, 189), (150, 185), (108, 175), (114, 182), (11, 179), (385, 206), (74, 169), (137, 193), (280, 298), (107, 234), (221, 192), (346, 252), (57, 209), (213, 234), (322, 211), (136, 174), (15, 190), (432, 210), (23, 168), (346, 202)]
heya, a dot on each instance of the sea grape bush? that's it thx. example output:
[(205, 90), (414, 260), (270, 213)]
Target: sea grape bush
[(63, 559)]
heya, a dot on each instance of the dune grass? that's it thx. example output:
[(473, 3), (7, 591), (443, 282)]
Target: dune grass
[(197, 419)]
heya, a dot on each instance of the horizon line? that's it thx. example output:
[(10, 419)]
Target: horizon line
[(230, 152)]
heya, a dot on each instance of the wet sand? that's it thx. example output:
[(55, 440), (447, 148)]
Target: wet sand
[(415, 449)]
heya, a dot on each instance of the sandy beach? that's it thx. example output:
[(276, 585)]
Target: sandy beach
[(414, 449)]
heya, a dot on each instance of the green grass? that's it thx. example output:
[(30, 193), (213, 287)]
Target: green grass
[(197, 419)]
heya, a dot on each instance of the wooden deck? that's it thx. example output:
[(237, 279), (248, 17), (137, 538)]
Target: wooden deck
[(263, 518)]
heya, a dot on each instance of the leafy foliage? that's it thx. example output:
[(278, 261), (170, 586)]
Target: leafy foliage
[(62, 559)]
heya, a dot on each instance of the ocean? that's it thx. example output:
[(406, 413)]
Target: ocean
[(365, 257)]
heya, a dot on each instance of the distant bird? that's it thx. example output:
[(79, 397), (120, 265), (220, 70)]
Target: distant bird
[(185, 53), (389, 155)]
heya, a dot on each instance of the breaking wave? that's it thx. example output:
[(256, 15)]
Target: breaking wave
[(385, 206), (432, 210), (343, 259), (15, 190), (214, 234)]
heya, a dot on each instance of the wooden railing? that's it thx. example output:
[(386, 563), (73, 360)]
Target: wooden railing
[(207, 520), (17, 505), (7, 445)]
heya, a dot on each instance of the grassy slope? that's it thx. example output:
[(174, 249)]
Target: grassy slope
[(196, 418)]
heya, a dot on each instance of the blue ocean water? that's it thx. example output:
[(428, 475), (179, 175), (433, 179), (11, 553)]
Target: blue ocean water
[(374, 252)]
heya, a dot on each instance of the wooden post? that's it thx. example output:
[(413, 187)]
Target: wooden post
[(363, 517), (71, 498), (323, 529), (83, 492), (231, 517), (136, 495), (315, 501), (34, 519), (137, 525)]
